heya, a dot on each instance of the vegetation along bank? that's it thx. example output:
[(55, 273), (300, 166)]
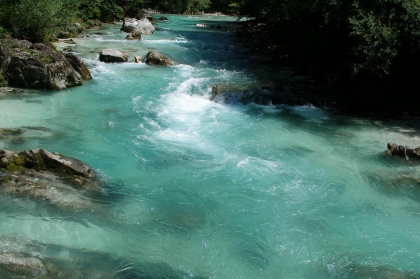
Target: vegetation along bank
[(362, 54)]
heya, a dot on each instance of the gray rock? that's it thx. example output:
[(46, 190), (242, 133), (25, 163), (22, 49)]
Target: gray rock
[(137, 26), (403, 151), (113, 56), (137, 59), (155, 58), (133, 36), (37, 66), (78, 66), (42, 175)]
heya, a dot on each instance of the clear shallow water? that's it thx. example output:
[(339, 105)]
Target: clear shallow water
[(212, 189)]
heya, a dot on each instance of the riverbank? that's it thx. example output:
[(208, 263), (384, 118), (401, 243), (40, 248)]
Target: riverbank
[(194, 188), (328, 81)]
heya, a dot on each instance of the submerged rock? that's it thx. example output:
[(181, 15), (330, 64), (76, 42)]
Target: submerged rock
[(254, 254), (22, 258), (137, 26), (351, 269), (155, 58), (4, 132), (52, 177), (403, 151), (38, 66), (113, 56)]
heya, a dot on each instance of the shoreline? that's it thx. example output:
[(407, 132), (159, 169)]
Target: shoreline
[(310, 89), (361, 96)]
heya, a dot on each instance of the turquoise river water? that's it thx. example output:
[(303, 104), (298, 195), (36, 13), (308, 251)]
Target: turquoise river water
[(203, 189)]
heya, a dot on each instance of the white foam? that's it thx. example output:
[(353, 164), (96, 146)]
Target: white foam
[(188, 86), (166, 41), (311, 112)]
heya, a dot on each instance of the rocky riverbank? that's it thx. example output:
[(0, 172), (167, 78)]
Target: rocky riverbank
[(39, 66)]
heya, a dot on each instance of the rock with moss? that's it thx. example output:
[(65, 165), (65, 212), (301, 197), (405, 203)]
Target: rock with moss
[(39, 66), (155, 58), (78, 65), (42, 175), (113, 56)]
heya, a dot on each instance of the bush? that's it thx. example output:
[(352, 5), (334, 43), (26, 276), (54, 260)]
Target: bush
[(36, 20), (376, 42)]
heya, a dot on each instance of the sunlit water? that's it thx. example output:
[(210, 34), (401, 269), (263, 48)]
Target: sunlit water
[(217, 190)]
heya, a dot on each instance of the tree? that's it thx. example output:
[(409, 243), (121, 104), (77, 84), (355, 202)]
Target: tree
[(37, 20)]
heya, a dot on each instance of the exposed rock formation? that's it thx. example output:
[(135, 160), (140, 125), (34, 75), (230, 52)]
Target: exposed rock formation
[(113, 56), (155, 58), (137, 59), (38, 66), (403, 151), (137, 26), (78, 66), (135, 36), (42, 175)]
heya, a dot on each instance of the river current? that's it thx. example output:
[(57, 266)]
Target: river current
[(214, 189)]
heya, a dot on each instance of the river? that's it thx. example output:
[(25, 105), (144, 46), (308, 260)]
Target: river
[(215, 189)]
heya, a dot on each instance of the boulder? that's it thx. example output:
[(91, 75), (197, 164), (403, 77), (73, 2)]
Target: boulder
[(155, 58), (163, 18), (137, 59), (113, 56), (151, 19), (133, 36), (42, 175), (137, 26), (403, 151), (78, 66), (38, 66)]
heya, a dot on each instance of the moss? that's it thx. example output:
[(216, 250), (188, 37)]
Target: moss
[(68, 49), (48, 59), (85, 73), (13, 167), (15, 163), (5, 178)]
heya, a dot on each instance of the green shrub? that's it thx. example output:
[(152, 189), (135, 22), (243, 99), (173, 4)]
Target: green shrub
[(36, 20)]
